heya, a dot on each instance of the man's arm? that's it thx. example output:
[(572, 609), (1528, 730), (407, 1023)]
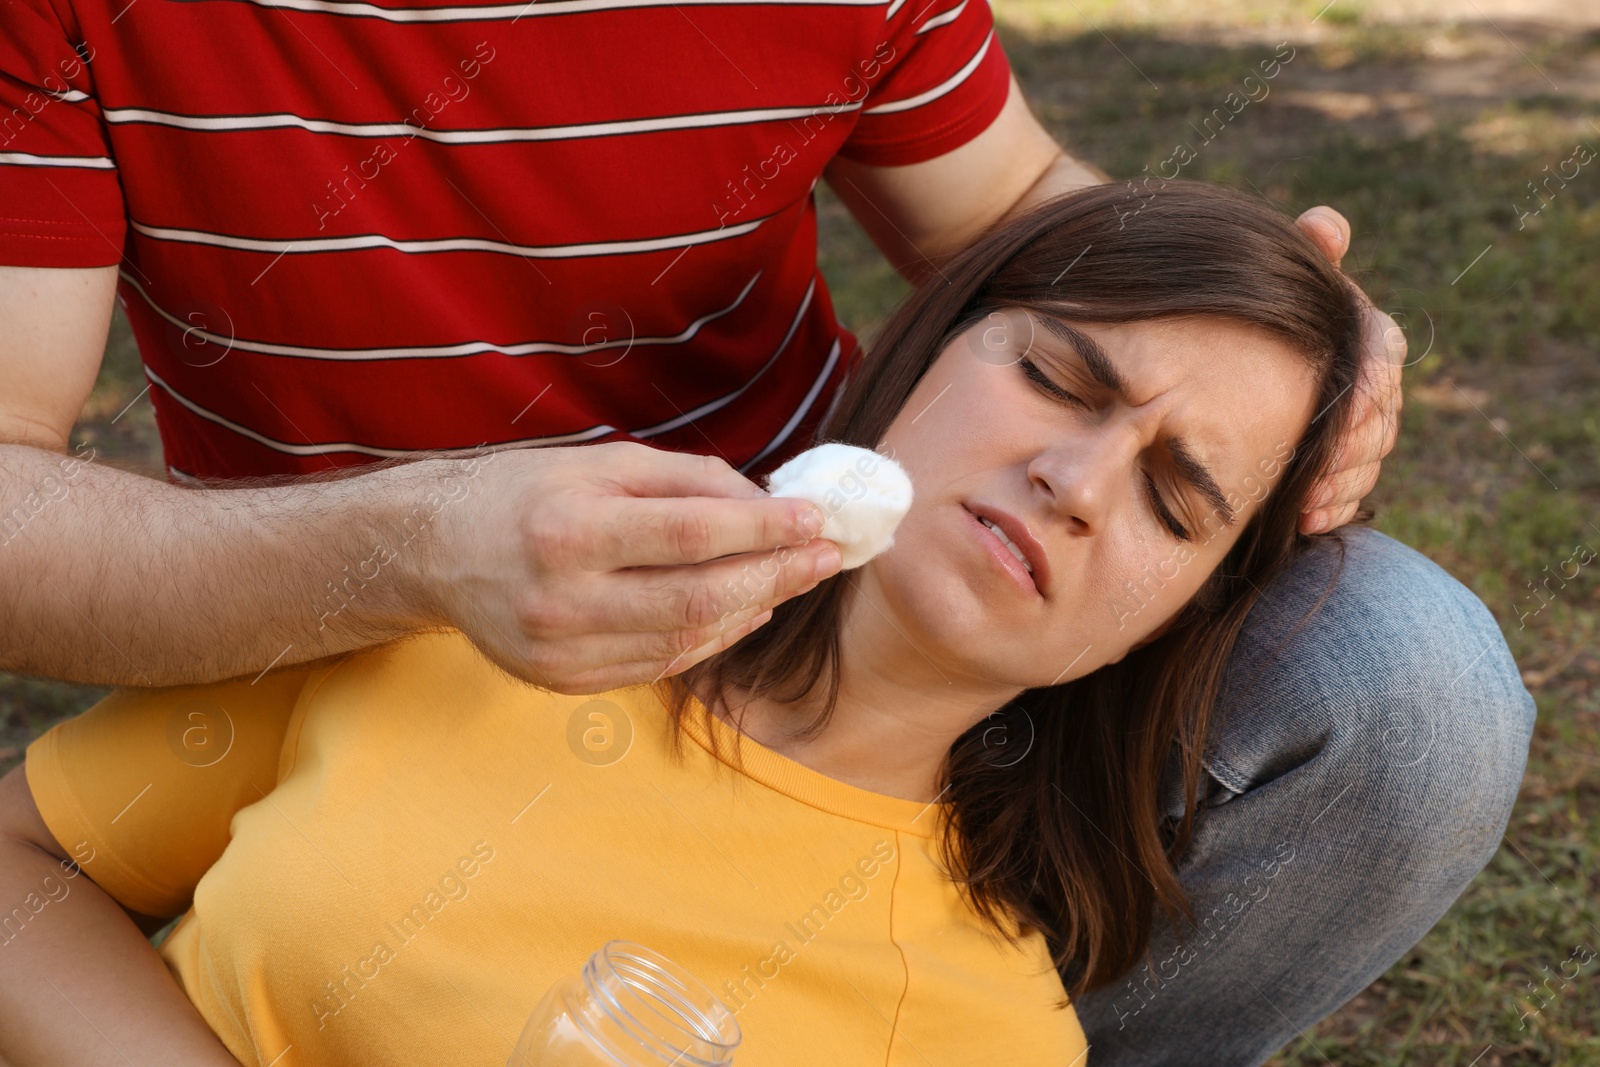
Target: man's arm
[(108, 577), (921, 214), (569, 567)]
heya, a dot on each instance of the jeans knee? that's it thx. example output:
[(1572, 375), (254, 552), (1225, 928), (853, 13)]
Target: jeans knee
[(1434, 679), (1440, 765), (1402, 682)]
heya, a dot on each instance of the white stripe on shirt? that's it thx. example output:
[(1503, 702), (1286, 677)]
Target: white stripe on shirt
[(938, 90), (800, 412), (28, 159), (355, 9), (576, 437), (940, 20), (727, 398), (357, 242), (465, 348), (282, 120), (294, 449)]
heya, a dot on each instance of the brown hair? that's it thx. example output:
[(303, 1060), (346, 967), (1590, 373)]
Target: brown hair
[(1069, 838)]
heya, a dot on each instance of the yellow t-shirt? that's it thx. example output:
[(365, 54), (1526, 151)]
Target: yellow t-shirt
[(391, 859)]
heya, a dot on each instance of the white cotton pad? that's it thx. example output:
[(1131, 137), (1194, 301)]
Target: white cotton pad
[(863, 495)]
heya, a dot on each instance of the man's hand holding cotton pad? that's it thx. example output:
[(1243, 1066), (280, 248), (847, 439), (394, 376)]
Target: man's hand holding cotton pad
[(863, 496)]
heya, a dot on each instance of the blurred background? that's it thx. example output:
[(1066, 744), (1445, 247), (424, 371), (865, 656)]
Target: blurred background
[(1462, 140)]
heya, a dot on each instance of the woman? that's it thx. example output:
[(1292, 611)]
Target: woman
[(894, 824)]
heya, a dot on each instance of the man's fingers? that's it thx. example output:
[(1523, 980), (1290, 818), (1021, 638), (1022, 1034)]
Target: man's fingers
[(662, 600), (672, 531), (1374, 421), (736, 630), (645, 471), (676, 600), (612, 660), (1383, 356), (1385, 423), (652, 612), (654, 670), (1344, 487), (1382, 336), (1329, 229), (1327, 519)]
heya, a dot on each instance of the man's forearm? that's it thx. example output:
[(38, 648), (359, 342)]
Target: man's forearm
[(114, 579), (921, 214), (1064, 174)]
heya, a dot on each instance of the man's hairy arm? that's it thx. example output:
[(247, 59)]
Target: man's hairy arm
[(108, 577), (111, 578), (580, 569)]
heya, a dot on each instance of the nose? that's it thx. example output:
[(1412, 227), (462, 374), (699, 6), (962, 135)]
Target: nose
[(1084, 476)]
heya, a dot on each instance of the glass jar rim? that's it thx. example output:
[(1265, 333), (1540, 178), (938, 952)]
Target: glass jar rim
[(627, 978)]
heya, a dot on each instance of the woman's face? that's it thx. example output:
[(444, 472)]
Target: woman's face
[(1206, 417)]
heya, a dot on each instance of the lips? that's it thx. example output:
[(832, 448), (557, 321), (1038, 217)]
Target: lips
[(1016, 531)]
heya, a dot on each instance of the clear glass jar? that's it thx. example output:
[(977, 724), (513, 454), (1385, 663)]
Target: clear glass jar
[(630, 1006)]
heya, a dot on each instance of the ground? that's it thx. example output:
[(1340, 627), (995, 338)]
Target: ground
[(1425, 123)]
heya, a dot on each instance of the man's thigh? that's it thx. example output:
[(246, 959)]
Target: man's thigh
[(1362, 772)]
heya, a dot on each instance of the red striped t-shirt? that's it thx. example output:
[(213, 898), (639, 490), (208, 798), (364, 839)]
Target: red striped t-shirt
[(352, 230)]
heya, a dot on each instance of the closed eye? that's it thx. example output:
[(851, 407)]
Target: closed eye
[(1039, 378), (1031, 369), (1161, 511)]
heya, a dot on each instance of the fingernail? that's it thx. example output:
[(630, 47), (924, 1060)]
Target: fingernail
[(826, 562), (809, 521), (1329, 219)]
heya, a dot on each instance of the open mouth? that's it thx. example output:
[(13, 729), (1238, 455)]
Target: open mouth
[(1005, 552), (1015, 551)]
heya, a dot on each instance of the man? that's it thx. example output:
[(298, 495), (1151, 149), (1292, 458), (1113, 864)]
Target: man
[(351, 233)]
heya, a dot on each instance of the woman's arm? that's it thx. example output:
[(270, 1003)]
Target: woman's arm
[(80, 983)]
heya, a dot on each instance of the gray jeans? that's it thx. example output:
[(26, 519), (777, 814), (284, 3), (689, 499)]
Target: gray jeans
[(1354, 790)]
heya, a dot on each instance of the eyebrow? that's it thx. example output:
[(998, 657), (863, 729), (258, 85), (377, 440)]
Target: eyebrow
[(1104, 371)]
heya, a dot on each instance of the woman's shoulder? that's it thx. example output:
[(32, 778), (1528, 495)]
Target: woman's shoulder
[(441, 659), (440, 675)]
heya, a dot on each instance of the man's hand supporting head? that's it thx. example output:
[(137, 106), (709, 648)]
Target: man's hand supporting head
[(1375, 422)]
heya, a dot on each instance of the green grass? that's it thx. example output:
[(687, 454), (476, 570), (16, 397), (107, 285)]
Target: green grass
[(1497, 473)]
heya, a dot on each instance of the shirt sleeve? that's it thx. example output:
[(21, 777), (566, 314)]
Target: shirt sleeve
[(61, 200), (141, 789), (938, 80)]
